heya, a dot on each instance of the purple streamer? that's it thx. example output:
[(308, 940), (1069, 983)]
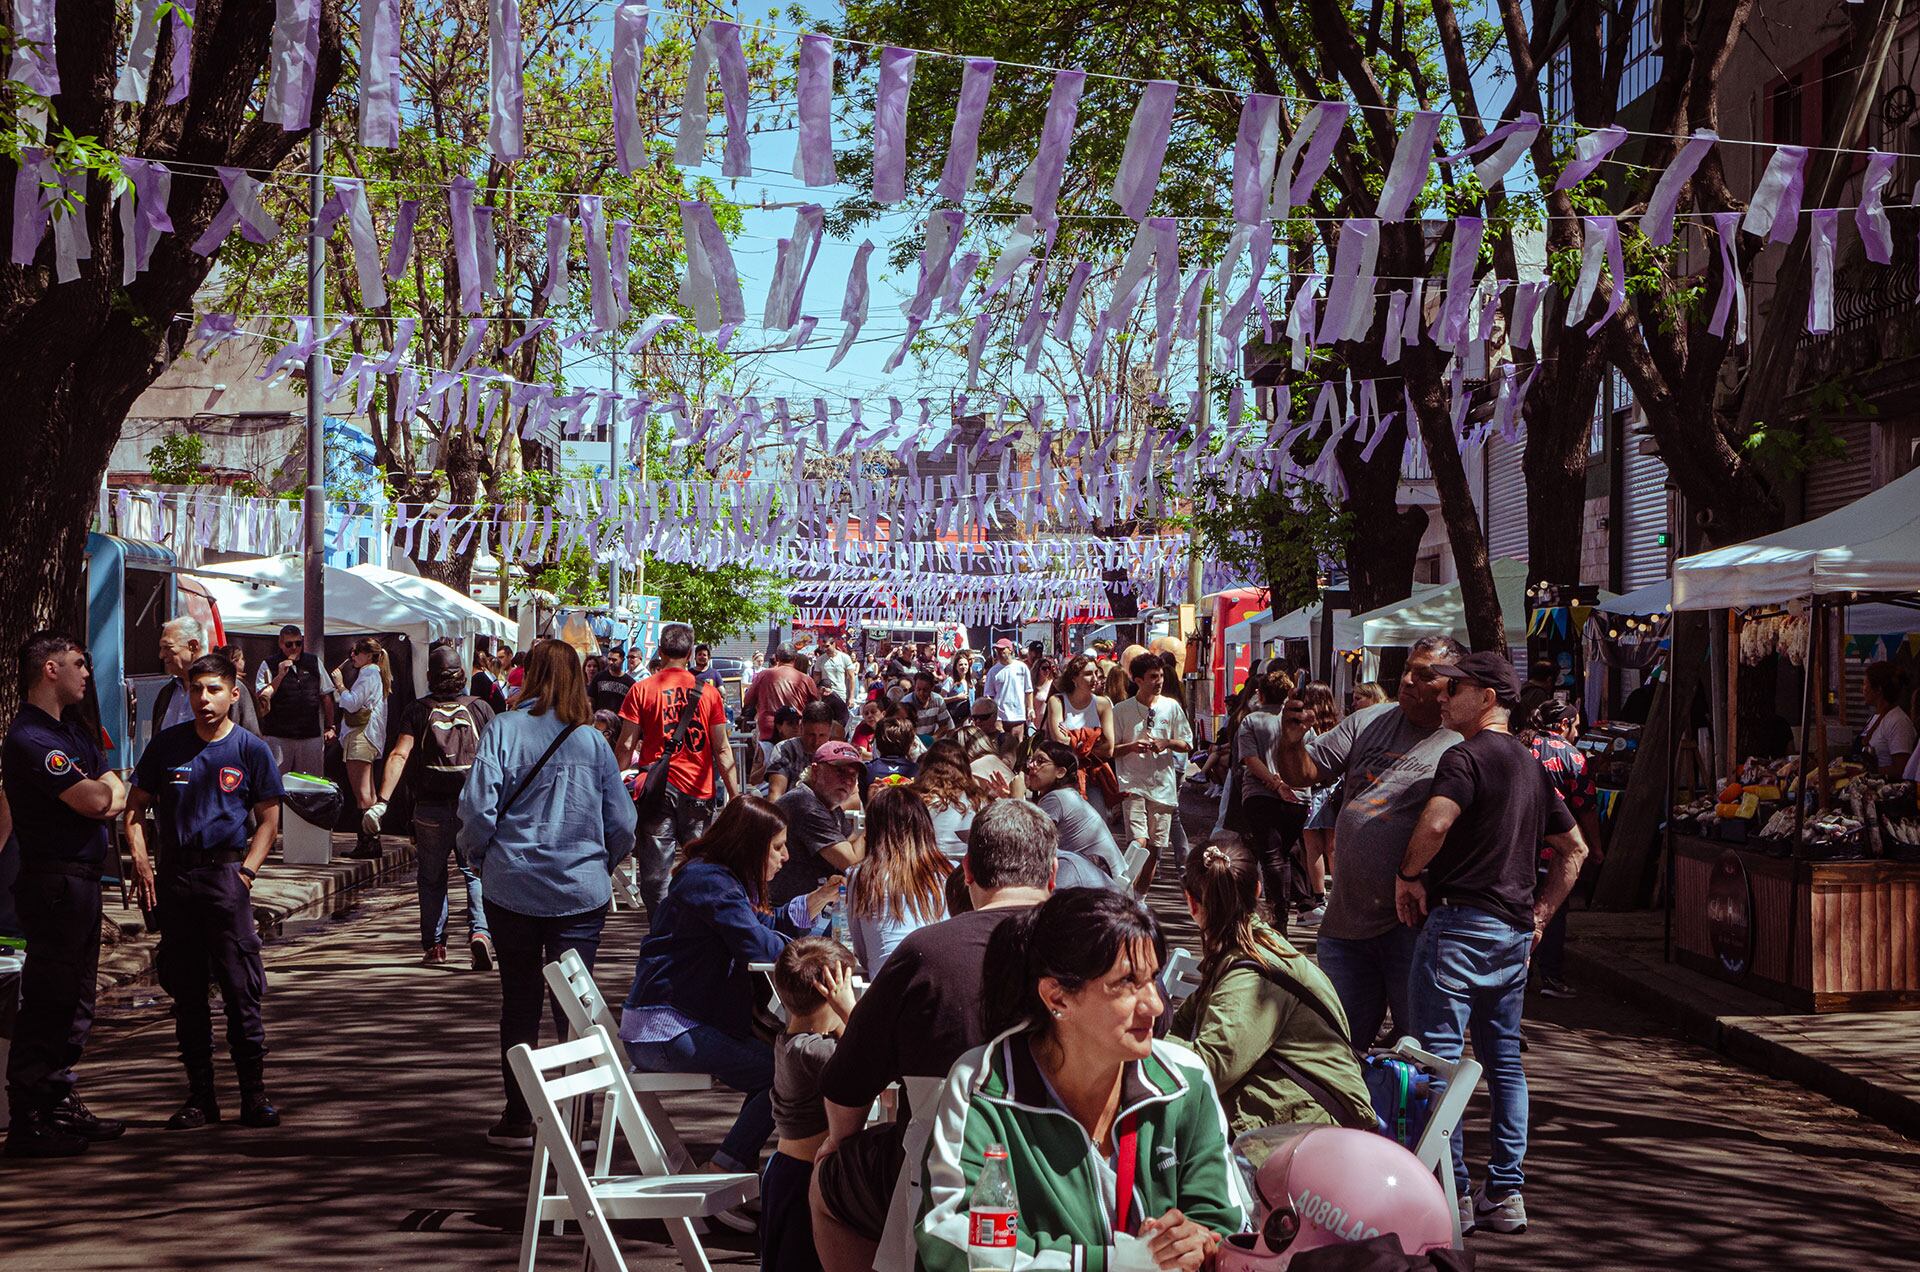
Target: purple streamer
[(402, 245), (1870, 217), (944, 226), (1039, 186), (466, 250), (1330, 119), (506, 81), (31, 204), (70, 240), (243, 209), (593, 231), (1255, 150), (629, 50), (1069, 312), (180, 65), (731, 61), (1411, 157), (34, 61), (620, 252), (1732, 294), (143, 213), (1350, 286), (1526, 306), (1616, 268), (1588, 154), (1465, 260), (1511, 138), (380, 73), (853, 309), (963, 143), (890, 125), (138, 71), (291, 61), (1657, 221), (1773, 214), (1146, 149), (366, 249), (712, 284), (559, 236), (1820, 300), (813, 155)]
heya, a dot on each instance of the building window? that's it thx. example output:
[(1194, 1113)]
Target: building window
[(1560, 86), (1783, 111), (1642, 68)]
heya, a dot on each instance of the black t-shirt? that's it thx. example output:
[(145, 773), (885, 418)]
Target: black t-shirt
[(43, 757), (922, 1012), (1507, 806), (203, 791), (608, 692), (811, 826)]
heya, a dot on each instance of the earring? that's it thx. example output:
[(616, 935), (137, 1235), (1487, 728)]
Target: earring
[(1057, 1013)]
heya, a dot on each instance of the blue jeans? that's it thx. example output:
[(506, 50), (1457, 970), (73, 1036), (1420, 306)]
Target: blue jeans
[(436, 831), (1470, 974), (679, 820), (1370, 976), (745, 1064), (524, 944)]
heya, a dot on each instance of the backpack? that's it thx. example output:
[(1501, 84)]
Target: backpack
[(448, 745)]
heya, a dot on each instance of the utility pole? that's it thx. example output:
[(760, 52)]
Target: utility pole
[(315, 506), (640, 464), (613, 472)]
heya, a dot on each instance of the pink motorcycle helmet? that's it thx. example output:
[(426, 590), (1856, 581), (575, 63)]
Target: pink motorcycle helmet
[(1332, 1185)]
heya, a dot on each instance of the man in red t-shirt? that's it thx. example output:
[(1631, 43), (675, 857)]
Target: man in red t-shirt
[(781, 685), (648, 720)]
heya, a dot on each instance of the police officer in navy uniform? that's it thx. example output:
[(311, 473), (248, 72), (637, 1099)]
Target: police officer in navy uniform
[(62, 795), (202, 779)]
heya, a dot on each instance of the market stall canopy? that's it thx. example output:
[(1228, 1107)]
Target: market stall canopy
[(436, 597), (1642, 602), (1871, 545), (1437, 610), (1242, 632)]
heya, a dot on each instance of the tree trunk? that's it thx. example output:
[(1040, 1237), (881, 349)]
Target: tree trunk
[(1465, 536), (1555, 460), (79, 353), (1385, 539)]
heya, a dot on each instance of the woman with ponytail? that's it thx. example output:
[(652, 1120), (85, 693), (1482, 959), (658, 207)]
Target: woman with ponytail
[(363, 683), (1264, 1018), (1106, 1129)]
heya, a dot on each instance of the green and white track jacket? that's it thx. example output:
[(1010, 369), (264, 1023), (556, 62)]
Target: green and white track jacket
[(996, 1095)]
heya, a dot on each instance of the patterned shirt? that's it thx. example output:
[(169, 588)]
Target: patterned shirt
[(1566, 766)]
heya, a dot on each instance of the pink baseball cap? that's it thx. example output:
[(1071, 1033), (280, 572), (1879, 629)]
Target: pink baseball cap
[(837, 753), (1003, 643)]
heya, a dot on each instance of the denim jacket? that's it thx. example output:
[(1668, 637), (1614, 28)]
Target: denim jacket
[(556, 849)]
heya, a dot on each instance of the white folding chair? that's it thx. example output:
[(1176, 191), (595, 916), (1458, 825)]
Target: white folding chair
[(551, 1079), (1182, 975), (580, 999), (1136, 860), (1435, 1149), (897, 1249)]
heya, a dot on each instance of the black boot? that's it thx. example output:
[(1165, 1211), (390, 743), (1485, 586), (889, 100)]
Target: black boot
[(201, 1108), (75, 1118), (366, 847), (34, 1133), (255, 1108)]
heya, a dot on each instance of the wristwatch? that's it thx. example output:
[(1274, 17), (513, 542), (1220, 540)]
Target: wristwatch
[(1406, 878), (251, 875)]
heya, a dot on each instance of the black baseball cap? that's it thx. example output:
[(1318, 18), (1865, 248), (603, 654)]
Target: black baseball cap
[(1488, 670)]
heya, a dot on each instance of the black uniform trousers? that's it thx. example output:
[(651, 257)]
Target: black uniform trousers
[(207, 932), (60, 915)]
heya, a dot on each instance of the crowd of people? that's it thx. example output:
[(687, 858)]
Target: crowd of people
[(969, 841)]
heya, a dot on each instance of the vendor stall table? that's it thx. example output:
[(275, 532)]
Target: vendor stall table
[(1814, 935)]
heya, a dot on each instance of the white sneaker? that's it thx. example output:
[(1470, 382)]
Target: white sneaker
[(1466, 1215), (1311, 918), (1509, 1214)]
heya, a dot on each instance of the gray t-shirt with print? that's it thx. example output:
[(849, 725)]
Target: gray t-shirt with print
[(1386, 763)]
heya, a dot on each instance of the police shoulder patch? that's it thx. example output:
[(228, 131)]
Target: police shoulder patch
[(58, 763)]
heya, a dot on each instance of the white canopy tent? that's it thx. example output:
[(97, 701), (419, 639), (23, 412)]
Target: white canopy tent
[(1871, 619), (473, 618), (355, 602), (1438, 610), (1871, 545)]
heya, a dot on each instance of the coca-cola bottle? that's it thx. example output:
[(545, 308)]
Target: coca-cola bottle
[(993, 1216)]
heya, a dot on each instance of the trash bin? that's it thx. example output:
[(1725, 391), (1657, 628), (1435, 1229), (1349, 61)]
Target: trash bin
[(311, 807), (11, 961)]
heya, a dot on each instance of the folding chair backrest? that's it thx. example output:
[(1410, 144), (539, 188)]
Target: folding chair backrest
[(1435, 1149), (1183, 974), (598, 1065), (579, 997), (896, 1252)]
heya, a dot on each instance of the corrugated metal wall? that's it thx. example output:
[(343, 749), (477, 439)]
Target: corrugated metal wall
[(1505, 515), (1644, 508), (1835, 483)]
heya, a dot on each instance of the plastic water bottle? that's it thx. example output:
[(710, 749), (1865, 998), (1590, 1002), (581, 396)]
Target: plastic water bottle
[(993, 1216), (842, 929)]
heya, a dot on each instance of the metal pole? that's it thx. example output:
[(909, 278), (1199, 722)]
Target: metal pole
[(316, 492), (640, 463), (613, 472)]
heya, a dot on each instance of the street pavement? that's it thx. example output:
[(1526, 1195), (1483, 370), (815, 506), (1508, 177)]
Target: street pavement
[(1648, 1151)]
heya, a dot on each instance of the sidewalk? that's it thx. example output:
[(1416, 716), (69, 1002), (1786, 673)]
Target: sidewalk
[(1864, 1060), (283, 894)]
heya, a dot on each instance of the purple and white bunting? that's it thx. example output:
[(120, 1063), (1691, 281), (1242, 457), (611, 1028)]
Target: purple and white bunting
[(813, 154), (241, 209), (1039, 186), (963, 143), (1146, 149), (1588, 154), (506, 82), (1733, 295), (292, 59), (1412, 156), (34, 62), (1657, 221), (1820, 300), (890, 125), (623, 82), (1773, 214), (380, 73)]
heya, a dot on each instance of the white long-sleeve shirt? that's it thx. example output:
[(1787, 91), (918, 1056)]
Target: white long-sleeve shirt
[(366, 692)]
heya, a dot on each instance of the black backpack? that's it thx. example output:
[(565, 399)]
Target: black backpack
[(448, 743)]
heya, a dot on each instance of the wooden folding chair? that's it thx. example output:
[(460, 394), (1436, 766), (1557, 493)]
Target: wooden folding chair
[(552, 1079)]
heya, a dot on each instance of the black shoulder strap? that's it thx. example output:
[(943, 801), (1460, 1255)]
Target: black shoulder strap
[(535, 771), (687, 711), (1340, 1109), (1308, 999)]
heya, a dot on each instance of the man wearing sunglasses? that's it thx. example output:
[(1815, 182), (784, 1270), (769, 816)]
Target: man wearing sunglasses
[(296, 705), (1467, 884)]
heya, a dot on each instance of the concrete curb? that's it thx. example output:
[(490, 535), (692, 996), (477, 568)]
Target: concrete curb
[(282, 895), (1758, 1034)]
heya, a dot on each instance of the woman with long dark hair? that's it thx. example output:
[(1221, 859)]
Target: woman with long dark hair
[(1079, 1093), (691, 1006), (1080, 717), (544, 819), (1263, 1019), (901, 886)]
